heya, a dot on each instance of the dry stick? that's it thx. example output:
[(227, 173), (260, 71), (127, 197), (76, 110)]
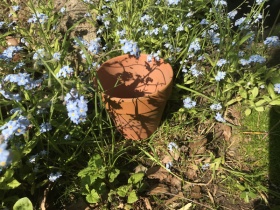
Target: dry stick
[(43, 203), (209, 207)]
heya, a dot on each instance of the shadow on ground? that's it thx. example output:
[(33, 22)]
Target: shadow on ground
[(274, 157), (274, 163)]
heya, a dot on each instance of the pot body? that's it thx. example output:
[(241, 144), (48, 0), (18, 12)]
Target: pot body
[(135, 93)]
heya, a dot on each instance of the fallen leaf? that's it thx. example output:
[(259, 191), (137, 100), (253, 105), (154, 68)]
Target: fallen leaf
[(140, 168), (176, 182), (226, 131), (159, 189), (196, 192), (175, 198), (157, 172), (191, 172), (197, 147), (166, 159), (233, 115)]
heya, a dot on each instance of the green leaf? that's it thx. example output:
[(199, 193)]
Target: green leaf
[(248, 112), (189, 82), (260, 102), (275, 102), (259, 109), (113, 174), (135, 178), (243, 93), (245, 196), (93, 197), (255, 92), (96, 161), (123, 190), (240, 187), (270, 89), (13, 184), (23, 204), (245, 38), (132, 197), (232, 101)]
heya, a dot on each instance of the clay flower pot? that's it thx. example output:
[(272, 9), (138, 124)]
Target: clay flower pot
[(135, 93)]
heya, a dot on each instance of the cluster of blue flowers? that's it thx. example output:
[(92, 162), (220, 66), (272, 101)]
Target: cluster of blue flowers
[(171, 146), (194, 46), (221, 62), (272, 41), (252, 59), (172, 2), (76, 106), (194, 71), (277, 88), (146, 19), (5, 156), (54, 176), (44, 127), (23, 79), (39, 54), (220, 3), (154, 55), (10, 96), (64, 71), (130, 47), (15, 127), (8, 53), (93, 46), (38, 17), (232, 14)]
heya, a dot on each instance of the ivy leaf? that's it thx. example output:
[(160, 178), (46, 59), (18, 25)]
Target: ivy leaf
[(135, 178), (13, 184), (113, 174), (132, 197), (23, 204), (93, 197), (123, 190), (96, 161)]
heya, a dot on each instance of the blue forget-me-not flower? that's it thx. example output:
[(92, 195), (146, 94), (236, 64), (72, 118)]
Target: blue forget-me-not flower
[(188, 103)]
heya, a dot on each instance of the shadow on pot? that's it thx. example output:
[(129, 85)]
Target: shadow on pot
[(135, 93)]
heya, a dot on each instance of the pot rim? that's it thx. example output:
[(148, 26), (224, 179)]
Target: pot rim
[(146, 97)]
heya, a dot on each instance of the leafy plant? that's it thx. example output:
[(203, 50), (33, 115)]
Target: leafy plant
[(101, 184), (23, 204)]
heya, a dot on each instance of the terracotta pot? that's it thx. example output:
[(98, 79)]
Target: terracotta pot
[(135, 93)]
